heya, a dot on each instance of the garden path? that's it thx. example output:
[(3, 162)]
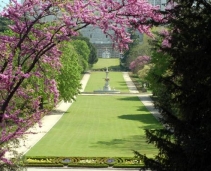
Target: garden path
[(144, 97)]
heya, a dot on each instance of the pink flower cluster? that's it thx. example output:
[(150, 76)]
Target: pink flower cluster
[(171, 5), (166, 43), (139, 63), (53, 89)]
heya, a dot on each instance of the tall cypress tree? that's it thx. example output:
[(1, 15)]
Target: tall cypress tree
[(185, 97)]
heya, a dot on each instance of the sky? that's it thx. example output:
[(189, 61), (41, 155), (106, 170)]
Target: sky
[(4, 2)]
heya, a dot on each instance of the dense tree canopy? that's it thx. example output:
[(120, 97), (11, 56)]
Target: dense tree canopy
[(139, 47), (183, 89), (69, 77), (126, 55), (93, 51), (139, 63), (83, 52)]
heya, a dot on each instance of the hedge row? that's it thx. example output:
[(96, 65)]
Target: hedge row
[(95, 162)]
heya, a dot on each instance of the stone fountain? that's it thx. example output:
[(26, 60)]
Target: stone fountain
[(107, 88)]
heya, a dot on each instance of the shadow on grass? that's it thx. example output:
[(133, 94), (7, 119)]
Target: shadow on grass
[(122, 83), (143, 108), (112, 142), (130, 98), (114, 68), (130, 141), (127, 145), (147, 119)]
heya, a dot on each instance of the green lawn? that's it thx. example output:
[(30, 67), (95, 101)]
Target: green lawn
[(112, 63), (97, 81), (97, 126)]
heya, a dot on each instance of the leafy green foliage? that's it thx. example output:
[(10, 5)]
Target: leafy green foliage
[(83, 52), (136, 48), (159, 67), (136, 41), (93, 52), (143, 73), (69, 77)]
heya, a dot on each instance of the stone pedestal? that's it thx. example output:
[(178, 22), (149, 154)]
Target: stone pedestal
[(107, 88)]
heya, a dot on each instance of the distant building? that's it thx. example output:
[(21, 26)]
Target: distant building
[(102, 42)]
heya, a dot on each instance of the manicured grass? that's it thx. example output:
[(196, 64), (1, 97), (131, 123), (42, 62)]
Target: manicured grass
[(97, 81), (97, 126), (112, 63)]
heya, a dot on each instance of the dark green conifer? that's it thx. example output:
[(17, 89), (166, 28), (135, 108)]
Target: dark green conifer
[(184, 92)]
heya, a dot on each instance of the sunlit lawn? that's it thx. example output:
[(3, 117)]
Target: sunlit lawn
[(97, 126), (106, 62), (100, 125), (97, 81)]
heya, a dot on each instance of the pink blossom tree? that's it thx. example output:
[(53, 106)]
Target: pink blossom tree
[(166, 43), (139, 63), (32, 45)]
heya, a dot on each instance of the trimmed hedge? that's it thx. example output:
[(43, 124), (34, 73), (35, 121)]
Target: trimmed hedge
[(94, 162)]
